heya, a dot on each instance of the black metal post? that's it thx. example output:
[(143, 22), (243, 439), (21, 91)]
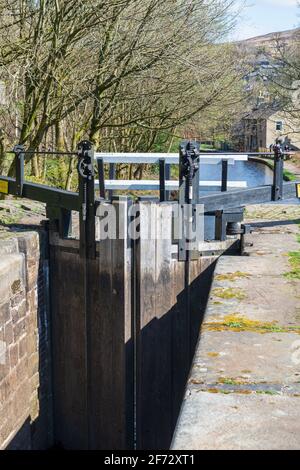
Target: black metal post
[(194, 253), (101, 178), (224, 175), (86, 200), (220, 226), (182, 196), (188, 193), (277, 192), (112, 176), (19, 151), (88, 254), (162, 180), (168, 177)]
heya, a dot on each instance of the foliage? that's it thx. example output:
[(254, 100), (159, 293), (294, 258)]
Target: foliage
[(130, 75)]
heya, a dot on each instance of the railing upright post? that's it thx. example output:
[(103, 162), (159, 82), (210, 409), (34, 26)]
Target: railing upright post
[(162, 180), (112, 176), (168, 177), (224, 175), (101, 178), (19, 165), (278, 173)]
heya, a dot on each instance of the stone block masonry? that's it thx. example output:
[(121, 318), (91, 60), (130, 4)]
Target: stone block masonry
[(25, 378)]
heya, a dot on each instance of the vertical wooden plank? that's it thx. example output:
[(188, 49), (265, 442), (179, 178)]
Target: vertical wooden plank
[(156, 311), (164, 316), (181, 336), (101, 350), (68, 349), (201, 272), (196, 290), (112, 347), (129, 329), (123, 379), (146, 330)]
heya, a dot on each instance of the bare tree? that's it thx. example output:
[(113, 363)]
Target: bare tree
[(120, 72)]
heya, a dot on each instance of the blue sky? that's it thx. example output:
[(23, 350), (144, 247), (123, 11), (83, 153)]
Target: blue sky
[(266, 16)]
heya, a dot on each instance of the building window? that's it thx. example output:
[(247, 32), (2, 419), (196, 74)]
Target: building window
[(279, 125)]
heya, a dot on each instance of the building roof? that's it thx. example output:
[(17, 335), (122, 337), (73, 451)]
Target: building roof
[(261, 113)]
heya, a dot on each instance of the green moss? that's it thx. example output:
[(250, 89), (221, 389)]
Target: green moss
[(229, 293), (240, 390), (232, 276), (225, 392), (231, 381), (237, 323), (7, 219)]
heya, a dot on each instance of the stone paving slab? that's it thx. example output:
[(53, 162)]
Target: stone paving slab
[(15, 212), (273, 212), (244, 360), (240, 290), (238, 422), (244, 387), (276, 245)]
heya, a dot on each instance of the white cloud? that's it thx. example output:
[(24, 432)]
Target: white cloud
[(246, 31)]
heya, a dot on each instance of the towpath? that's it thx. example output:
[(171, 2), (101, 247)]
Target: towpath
[(244, 387)]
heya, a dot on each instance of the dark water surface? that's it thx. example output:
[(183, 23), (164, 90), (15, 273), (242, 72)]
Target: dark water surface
[(255, 174)]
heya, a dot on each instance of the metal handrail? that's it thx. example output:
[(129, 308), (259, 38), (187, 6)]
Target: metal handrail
[(169, 158)]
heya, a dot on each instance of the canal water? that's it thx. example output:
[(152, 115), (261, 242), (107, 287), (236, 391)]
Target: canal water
[(253, 173)]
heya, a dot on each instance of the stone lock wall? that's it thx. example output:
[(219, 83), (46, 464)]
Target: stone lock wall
[(25, 369)]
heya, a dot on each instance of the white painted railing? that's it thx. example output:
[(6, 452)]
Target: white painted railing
[(170, 185), (170, 158)]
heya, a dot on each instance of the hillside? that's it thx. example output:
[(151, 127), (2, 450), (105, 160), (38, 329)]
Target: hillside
[(267, 40)]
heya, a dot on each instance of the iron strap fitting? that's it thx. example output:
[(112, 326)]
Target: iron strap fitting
[(85, 169), (235, 228), (85, 163)]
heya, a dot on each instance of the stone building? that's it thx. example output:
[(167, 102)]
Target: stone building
[(263, 126)]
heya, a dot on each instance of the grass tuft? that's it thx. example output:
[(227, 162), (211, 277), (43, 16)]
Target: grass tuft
[(294, 260)]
